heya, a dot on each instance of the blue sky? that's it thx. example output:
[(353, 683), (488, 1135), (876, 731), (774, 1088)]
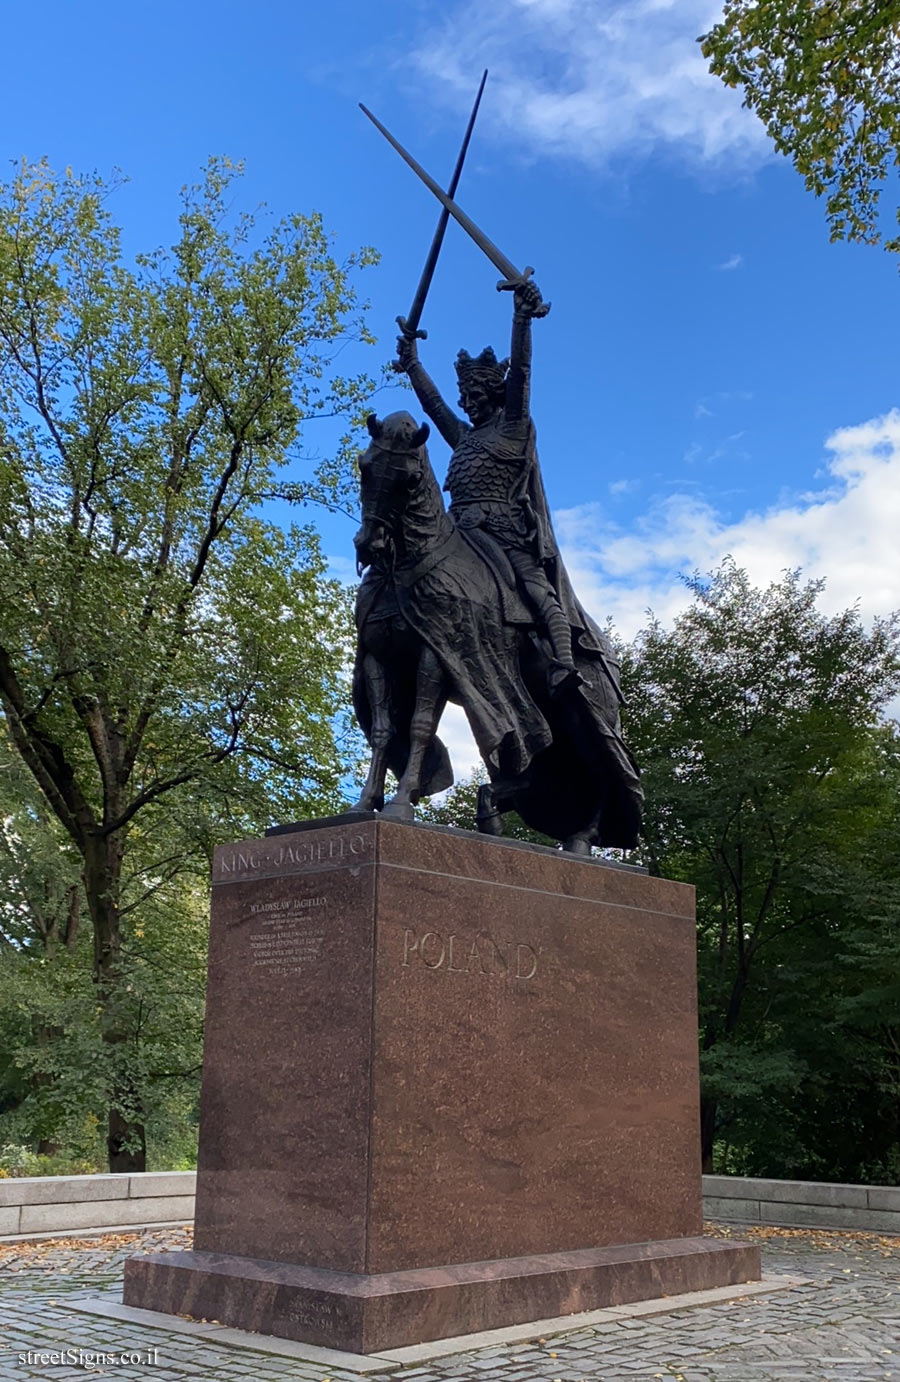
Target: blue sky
[(714, 375)]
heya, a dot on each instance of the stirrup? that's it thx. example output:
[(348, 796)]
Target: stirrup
[(562, 677)]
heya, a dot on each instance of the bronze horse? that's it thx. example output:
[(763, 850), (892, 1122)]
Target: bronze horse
[(432, 627)]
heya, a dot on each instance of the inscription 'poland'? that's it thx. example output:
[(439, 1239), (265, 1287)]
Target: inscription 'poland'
[(463, 955)]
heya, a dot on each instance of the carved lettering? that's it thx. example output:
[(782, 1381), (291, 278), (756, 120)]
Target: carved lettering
[(313, 1312), (291, 904), (453, 969), (482, 955), (526, 959), (475, 955), (298, 851), (410, 946), (290, 937), (423, 945), (502, 956)]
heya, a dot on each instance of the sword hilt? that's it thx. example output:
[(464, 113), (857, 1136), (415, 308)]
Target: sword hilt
[(509, 285), (411, 333)]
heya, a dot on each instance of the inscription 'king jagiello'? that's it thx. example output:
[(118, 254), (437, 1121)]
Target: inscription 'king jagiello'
[(256, 858)]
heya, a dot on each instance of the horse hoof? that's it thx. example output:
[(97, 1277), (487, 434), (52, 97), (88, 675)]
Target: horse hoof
[(577, 844), (398, 811)]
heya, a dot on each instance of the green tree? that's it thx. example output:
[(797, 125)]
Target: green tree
[(756, 721), (42, 951), (824, 77), (808, 1088), (56, 1070), (167, 655)]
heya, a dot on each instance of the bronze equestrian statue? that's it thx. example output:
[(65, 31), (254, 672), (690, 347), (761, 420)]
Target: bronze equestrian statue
[(475, 605)]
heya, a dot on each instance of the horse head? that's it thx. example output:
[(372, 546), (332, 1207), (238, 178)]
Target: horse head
[(396, 480)]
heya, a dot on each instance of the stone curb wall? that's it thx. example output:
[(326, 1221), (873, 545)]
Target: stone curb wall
[(63, 1204), (802, 1204), (74, 1204)]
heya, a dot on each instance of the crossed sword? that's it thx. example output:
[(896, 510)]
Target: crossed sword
[(512, 277)]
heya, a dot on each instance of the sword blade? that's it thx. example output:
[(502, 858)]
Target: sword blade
[(411, 323), (495, 255)]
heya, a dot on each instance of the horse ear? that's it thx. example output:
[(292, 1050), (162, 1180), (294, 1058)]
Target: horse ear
[(373, 425), (420, 436)]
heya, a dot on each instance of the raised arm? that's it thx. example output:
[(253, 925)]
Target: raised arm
[(445, 420), (528, 304)]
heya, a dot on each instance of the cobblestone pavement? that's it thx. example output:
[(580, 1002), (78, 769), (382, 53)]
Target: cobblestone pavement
[(844, 1324)]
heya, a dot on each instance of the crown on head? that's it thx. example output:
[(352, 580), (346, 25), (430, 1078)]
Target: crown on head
[(484, 368)]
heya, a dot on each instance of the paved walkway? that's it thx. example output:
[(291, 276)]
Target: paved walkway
[(843, 1324)]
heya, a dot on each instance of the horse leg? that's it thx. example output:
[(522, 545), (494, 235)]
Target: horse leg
[(488, 816), (431, 697), (376, 684), (582, 841)]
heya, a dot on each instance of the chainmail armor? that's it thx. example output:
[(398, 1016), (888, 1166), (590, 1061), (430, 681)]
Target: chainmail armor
[(485, 484), (486, 466)]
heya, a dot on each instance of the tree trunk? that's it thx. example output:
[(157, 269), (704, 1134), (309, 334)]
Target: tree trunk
[(708, 1111), (126, 1141), (45, 1035)]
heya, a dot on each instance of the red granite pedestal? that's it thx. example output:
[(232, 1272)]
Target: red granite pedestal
[(450, 1084)]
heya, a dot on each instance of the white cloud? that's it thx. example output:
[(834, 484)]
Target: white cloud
[(463, 750), (342, 568), (591, 79), (845, 531), (734, 262)]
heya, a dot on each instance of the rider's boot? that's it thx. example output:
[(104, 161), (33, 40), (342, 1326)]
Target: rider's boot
[(563, 674)]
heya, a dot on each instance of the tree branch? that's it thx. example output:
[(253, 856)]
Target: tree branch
[(45, 758)]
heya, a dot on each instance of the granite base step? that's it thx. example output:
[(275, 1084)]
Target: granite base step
[(367, 1313)]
